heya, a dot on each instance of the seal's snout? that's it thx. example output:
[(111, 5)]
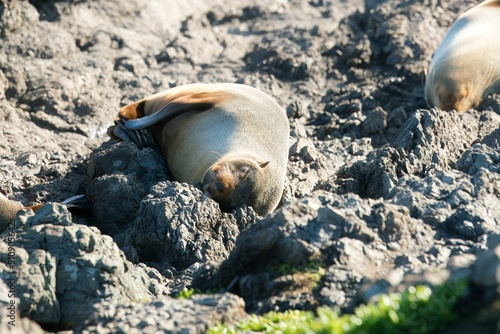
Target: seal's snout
[(218, 186), (218, 181)]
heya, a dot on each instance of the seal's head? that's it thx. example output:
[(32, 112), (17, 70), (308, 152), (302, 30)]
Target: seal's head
[(234, 182), (450, 94), (465, 67)]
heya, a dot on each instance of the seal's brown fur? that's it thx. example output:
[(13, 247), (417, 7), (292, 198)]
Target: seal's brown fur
[(232, 138)]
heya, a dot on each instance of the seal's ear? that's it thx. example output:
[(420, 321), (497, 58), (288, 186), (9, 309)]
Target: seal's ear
[(263, 164), (169, 107), (247, 169)]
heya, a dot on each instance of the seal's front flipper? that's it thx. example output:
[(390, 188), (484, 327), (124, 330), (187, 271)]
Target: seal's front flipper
[(168, 108)]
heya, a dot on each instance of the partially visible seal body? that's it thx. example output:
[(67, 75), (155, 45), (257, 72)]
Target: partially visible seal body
[(466, 66), (8, 211), (232, 138)]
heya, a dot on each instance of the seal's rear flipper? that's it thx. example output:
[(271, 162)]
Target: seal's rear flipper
[(78, 205), (170, 108)]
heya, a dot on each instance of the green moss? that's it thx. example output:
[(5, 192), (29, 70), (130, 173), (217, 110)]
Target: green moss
[(187, 293), (306, 277), (417, 310), (315, 265)]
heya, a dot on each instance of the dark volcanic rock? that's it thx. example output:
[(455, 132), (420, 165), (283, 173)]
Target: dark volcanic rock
[(64, 270), (378, 190), (121, 175), (429, 141), (177, 224), (168, 225), (166, 315), (342, 233), (10, 320)]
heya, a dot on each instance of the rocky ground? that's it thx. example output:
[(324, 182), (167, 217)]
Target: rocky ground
[(381, 192)]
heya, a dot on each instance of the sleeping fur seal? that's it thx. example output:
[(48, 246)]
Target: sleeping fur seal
[(466, 65), (230, 137)]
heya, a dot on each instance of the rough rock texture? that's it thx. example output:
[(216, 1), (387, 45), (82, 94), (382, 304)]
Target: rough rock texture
[(379, 189), (10, 320), (166, 315), (169, 225), (360, 238), (64, 269)]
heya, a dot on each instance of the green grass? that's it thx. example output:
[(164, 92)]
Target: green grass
[(306, 277), (315, 265), (417, 310), (187, 293)]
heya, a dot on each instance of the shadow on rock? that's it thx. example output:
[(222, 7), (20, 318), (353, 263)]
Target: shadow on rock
[(333, 242), (165, 224), (65, 270)]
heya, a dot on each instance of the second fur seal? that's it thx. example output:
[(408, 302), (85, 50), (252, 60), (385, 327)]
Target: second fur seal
[(230, 137), (9, 210), (466, 65)]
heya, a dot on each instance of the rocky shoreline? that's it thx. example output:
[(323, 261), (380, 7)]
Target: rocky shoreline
[(382, 193)]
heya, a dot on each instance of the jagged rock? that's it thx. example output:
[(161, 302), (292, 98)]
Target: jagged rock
[(169, 225), (435, 139), (343, 230), (178, 225), (429, 141), (11, 321), (194, 315), (64, 269), (14, 14), (121, 175), (479, 305), (378, 188)]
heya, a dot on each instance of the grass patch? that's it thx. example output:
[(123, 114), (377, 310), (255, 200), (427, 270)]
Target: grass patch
[(418, 310), (315, 265), (187, 293), (306, 277)]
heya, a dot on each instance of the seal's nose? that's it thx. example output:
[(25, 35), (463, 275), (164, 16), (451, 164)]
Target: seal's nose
[(218, 185)]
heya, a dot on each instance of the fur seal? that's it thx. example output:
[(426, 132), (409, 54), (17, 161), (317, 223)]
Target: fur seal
[(466, 66), (9, 210), (230, 137)]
